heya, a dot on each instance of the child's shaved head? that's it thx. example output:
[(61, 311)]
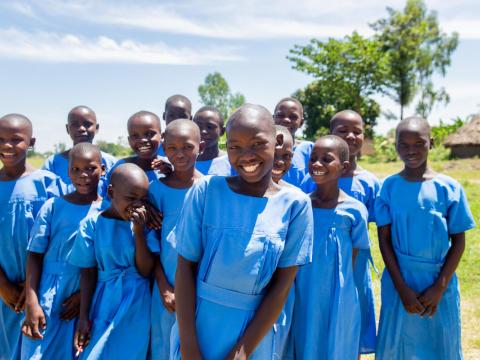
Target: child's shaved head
[(85, 150), (253, 116), (181, 126), (175, 99), (177, 107), (127, 175), (340, 144), (292, 99), (18, 121), (83, 111), (287, 135), (413, 123), (143, 114), (212, 109), (345, 115)]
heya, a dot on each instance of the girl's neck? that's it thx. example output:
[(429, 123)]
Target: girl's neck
[(16, 172), (266, 187), (327, 195), (421, 173), (82, 199), (144, 164), (209, 153), (182, 179)]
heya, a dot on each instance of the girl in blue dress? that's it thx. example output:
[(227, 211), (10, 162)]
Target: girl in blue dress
[(81, 126), (23, 190), (327, 319), (289, 113), (116, 261), (182, 144), (52, 285), (363, 186), (240, 241), (422, 217)]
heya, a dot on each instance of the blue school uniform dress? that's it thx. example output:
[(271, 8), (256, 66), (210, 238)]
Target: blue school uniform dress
[(20, 201), (363, 186), (422, 216), (238, 242), (299, 168), (58, 165), (169, 202), (120, 306), (53, 235), (327, 319), (220, 166)]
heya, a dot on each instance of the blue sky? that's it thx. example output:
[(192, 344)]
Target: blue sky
[(119, 57)]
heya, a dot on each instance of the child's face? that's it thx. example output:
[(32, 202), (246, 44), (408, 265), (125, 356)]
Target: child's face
[(82, 126), (211, 127), (412, 145), (85, 171), (325, 164), (282, 160), (288, 114), (15, 139), (144, 136), (251, 150), (181, 148), (350, 129), (128, 196), (177, 110)]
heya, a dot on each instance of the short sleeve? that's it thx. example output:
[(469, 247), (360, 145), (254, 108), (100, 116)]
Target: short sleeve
[(382, 208), (48, 164), (83, 252), (188, 231), (307, 185), (153, 192), (54, 185), (459, 216), (299, 239), (153, 240), (359, 232), (374, 187), (41, 230)]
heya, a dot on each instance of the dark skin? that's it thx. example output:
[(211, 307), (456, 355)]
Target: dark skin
[(325, 168), (81, 126), (182, 145), (413, 144), (15, 140), (289, 114), (177, 109), (211, 128), (251, 147), (128, 193), (85, 170), (283, 159)]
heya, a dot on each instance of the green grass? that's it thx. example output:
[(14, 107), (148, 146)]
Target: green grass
[(467, 172)]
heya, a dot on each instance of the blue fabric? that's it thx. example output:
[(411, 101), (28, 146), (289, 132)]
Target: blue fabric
[(58, 165), (327, 319), (221, 167), (169, 202), (203, 165), (364, 186), (245, 241), (422, 216), (299, 168), (53, 234), (160, 151), (20, 201), (119, 310)]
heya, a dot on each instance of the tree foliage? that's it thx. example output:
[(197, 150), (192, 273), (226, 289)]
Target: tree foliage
[(215, 91), (118, 149), (416, 49)]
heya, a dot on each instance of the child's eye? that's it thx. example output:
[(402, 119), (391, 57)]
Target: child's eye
[(150, 134)]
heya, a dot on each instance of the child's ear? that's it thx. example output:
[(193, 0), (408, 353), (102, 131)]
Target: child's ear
[(110, 191), (66, 127), (97, 127), (163, 116), (32, 142), (346, 166), (222, 130), (432, 143), (104, 170), (201, 147), (279, 139)]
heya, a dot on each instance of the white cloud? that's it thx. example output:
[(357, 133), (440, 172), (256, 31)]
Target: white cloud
[(53, 47)]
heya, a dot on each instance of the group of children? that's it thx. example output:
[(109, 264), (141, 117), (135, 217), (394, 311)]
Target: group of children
[(183, 251)]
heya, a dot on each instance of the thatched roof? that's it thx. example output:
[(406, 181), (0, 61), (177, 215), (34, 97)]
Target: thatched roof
[(468, 134)]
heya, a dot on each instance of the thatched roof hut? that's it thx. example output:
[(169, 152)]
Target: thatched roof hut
[(465, 142)]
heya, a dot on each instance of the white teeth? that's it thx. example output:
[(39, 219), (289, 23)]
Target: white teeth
[(277, 172), (319, 173), (144, 148), (8, 154), (250, 169)]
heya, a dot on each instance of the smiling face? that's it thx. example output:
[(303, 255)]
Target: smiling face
[(144, 135), (85, 169), (82, 125), (326, 161), (182, 144), (413, 143), (211, 127), (15, 139), (289, 114), (251, 143), (283, 158), (348, 125)]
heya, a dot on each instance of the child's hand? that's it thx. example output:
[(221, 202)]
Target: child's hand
[(430, 298), (237, 353), (20, 305), (71, 307), (410, 301), (10, 294), (168, 297), (82, 335), (162, 166), (34, 321), (139, 217), (154, 217)]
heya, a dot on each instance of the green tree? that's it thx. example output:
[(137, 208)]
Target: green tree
[(215, 91), (416, 48), (347, 73), (118, 149)]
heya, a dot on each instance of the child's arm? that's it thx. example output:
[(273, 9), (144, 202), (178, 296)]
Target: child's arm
[(266, 314), (10, 293), (354, 255), (166, 290), (71, 307), (88, 283), (407, 295), (144, 259), (432, 295), (35, 317), (185, 295)]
